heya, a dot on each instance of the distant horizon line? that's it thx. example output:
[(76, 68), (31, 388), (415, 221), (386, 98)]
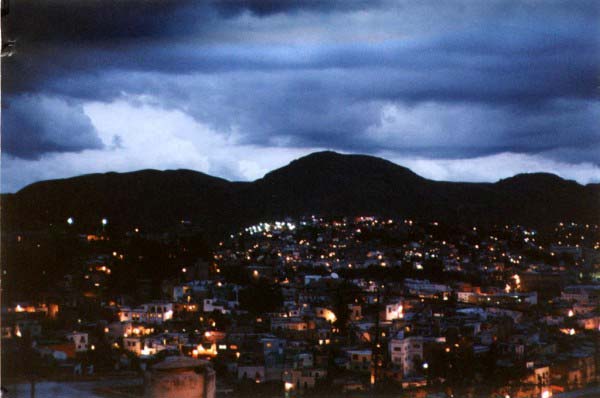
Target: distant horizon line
[(319, 152)]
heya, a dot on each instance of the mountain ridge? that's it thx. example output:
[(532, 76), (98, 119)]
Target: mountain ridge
[(325, 183)]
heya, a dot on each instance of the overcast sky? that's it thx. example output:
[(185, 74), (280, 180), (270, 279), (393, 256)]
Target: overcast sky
[(454, 90)]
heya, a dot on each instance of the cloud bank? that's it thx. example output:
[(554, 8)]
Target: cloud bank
[(453, 90)]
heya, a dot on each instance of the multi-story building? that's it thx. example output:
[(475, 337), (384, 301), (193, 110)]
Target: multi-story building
[(407, 353)]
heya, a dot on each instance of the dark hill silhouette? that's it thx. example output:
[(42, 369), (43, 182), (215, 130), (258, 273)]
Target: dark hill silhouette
[(325, 183)]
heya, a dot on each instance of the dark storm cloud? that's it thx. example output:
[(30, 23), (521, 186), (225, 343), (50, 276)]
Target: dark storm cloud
[(529, 71), (68, 21), (392, 71), (268, 7), (87, 21), (40, 125)]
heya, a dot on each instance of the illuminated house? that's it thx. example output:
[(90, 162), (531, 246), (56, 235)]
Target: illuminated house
[(538, 375), (210, 305), (20, 327), (589, 322), (393, 311), (133, 344), (156, 313), (48, 310), (127, 314), (325, 313), (304, 379), (205, 350), (141, 346), (118, 329), (293, 324), (500, 298), (407, 353), (80, 340)]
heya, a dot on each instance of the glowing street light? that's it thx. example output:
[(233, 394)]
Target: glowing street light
[(546, 394), (104, 221), (70, 221)]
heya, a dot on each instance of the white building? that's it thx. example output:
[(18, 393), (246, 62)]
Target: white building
[(393, 311), (143, 346), (80, 340), (156, 313), (133, 344), (211, 304), (407, 353)]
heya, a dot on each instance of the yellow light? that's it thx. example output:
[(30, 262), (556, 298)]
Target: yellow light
[(147, 351), (330, 316), (288, 386), (546, 394)]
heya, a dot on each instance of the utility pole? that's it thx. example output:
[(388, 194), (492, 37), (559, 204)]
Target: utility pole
[(377, 358)]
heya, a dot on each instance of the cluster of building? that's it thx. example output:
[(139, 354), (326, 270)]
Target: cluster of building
[(358, 304)]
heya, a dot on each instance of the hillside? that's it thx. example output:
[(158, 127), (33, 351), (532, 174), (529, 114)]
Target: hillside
[(324, 183)]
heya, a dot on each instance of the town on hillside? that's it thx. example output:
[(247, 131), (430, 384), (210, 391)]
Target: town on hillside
[(308, 307)]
